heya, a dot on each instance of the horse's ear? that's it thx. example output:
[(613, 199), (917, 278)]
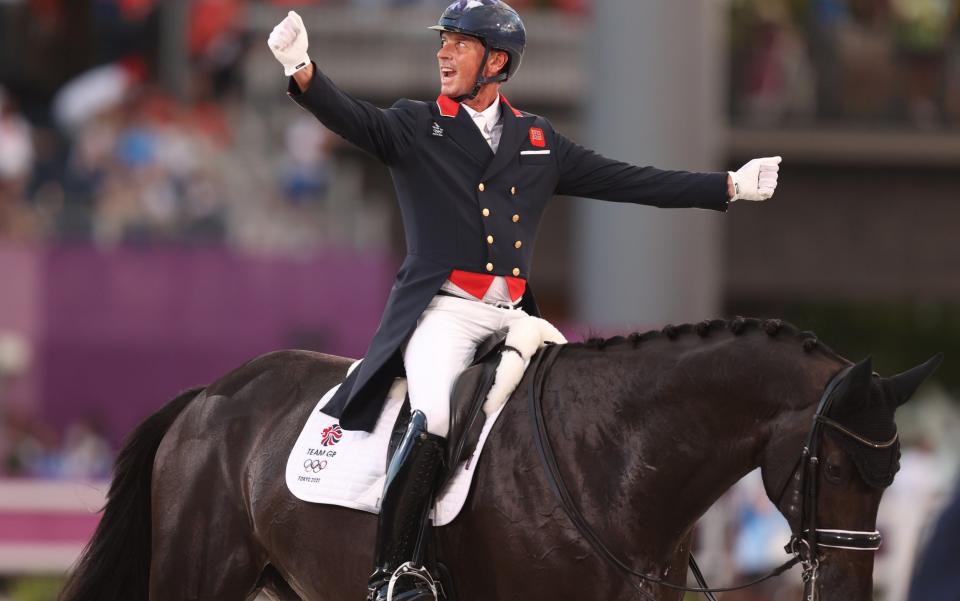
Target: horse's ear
[(853, 391), (859, 378), (905, 384)]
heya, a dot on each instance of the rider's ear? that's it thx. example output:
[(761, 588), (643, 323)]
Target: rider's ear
[(495, 60), (905, 384), (854, 390)]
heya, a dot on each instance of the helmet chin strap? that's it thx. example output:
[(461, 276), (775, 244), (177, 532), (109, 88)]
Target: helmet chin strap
[(481, 80)]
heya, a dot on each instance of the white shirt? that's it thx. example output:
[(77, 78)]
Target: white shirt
[(489, 124)]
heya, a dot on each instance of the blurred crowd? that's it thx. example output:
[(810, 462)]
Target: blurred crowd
[(29, 449), (94, 149), (97, 151), (873, 62)]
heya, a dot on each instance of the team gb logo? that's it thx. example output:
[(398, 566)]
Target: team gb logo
[(331, 436)]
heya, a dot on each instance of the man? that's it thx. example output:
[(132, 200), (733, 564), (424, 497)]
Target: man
[(473, 176)]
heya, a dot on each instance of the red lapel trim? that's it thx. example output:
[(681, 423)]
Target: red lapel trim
[(504, 100), (448, 107)]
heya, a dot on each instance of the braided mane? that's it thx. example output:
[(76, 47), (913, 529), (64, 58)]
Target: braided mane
[(738, 326)]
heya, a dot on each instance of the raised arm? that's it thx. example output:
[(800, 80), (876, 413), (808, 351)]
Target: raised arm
[(385, 133), (303, 77)]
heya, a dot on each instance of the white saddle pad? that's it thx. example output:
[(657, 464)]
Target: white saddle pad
[(344, 467), (334, 466)]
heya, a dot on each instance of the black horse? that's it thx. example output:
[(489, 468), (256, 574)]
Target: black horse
[(648, 431)]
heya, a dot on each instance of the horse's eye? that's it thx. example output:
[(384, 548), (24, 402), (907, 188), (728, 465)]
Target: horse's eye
[(834, 471)]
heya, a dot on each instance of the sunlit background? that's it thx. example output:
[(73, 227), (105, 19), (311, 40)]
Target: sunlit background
[(166, 213)]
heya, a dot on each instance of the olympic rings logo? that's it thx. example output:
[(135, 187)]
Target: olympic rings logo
[(314, 465)]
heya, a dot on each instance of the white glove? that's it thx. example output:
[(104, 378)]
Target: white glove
[(756, 180), (288, 41)]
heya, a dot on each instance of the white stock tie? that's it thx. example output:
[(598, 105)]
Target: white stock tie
[(481, 122)]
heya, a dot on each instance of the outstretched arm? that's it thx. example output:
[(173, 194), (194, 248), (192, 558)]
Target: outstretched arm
[(386, 134), (586, 173)]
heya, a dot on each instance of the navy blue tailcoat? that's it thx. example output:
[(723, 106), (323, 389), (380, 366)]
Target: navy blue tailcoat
[(464, 207)]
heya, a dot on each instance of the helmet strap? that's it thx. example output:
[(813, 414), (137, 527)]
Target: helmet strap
[(481, 80)]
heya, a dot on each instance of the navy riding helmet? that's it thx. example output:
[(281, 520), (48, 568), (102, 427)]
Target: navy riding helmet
[(495, 24)]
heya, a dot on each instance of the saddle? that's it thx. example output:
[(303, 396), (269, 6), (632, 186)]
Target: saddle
[(466, 403), (477, 393)]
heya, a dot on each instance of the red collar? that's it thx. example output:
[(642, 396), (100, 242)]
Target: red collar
[(504, 100), (450, 107)]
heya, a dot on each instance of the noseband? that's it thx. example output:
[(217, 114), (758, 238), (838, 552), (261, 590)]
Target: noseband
[(805, 543)]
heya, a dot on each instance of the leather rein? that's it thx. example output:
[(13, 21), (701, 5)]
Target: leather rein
[(804, 544)]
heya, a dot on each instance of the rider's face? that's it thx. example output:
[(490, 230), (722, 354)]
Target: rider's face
[(459, 60)]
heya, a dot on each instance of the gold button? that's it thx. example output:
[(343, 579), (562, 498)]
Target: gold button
[(489, 239), (513, 190), (516, 271), (480, 187), (489, 266), (516, 218), (517, 244), (486, 212)]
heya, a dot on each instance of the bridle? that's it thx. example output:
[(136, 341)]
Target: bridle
[(805, 543)]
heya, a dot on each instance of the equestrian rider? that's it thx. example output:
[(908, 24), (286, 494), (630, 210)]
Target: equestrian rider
[(473, 175)]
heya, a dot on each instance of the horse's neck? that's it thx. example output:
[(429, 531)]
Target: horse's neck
[(662, 432)]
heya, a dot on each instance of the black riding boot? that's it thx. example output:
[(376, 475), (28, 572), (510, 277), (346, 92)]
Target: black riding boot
[(404, 512)]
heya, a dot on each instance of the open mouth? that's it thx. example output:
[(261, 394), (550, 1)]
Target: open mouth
[(447, 74)]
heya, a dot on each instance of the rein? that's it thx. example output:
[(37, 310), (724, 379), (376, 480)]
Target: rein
[(803, 545)]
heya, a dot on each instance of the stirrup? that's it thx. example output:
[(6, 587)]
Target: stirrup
[(408, 569)]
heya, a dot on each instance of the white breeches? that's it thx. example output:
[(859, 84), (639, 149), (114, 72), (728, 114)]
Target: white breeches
[(442, 346)]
